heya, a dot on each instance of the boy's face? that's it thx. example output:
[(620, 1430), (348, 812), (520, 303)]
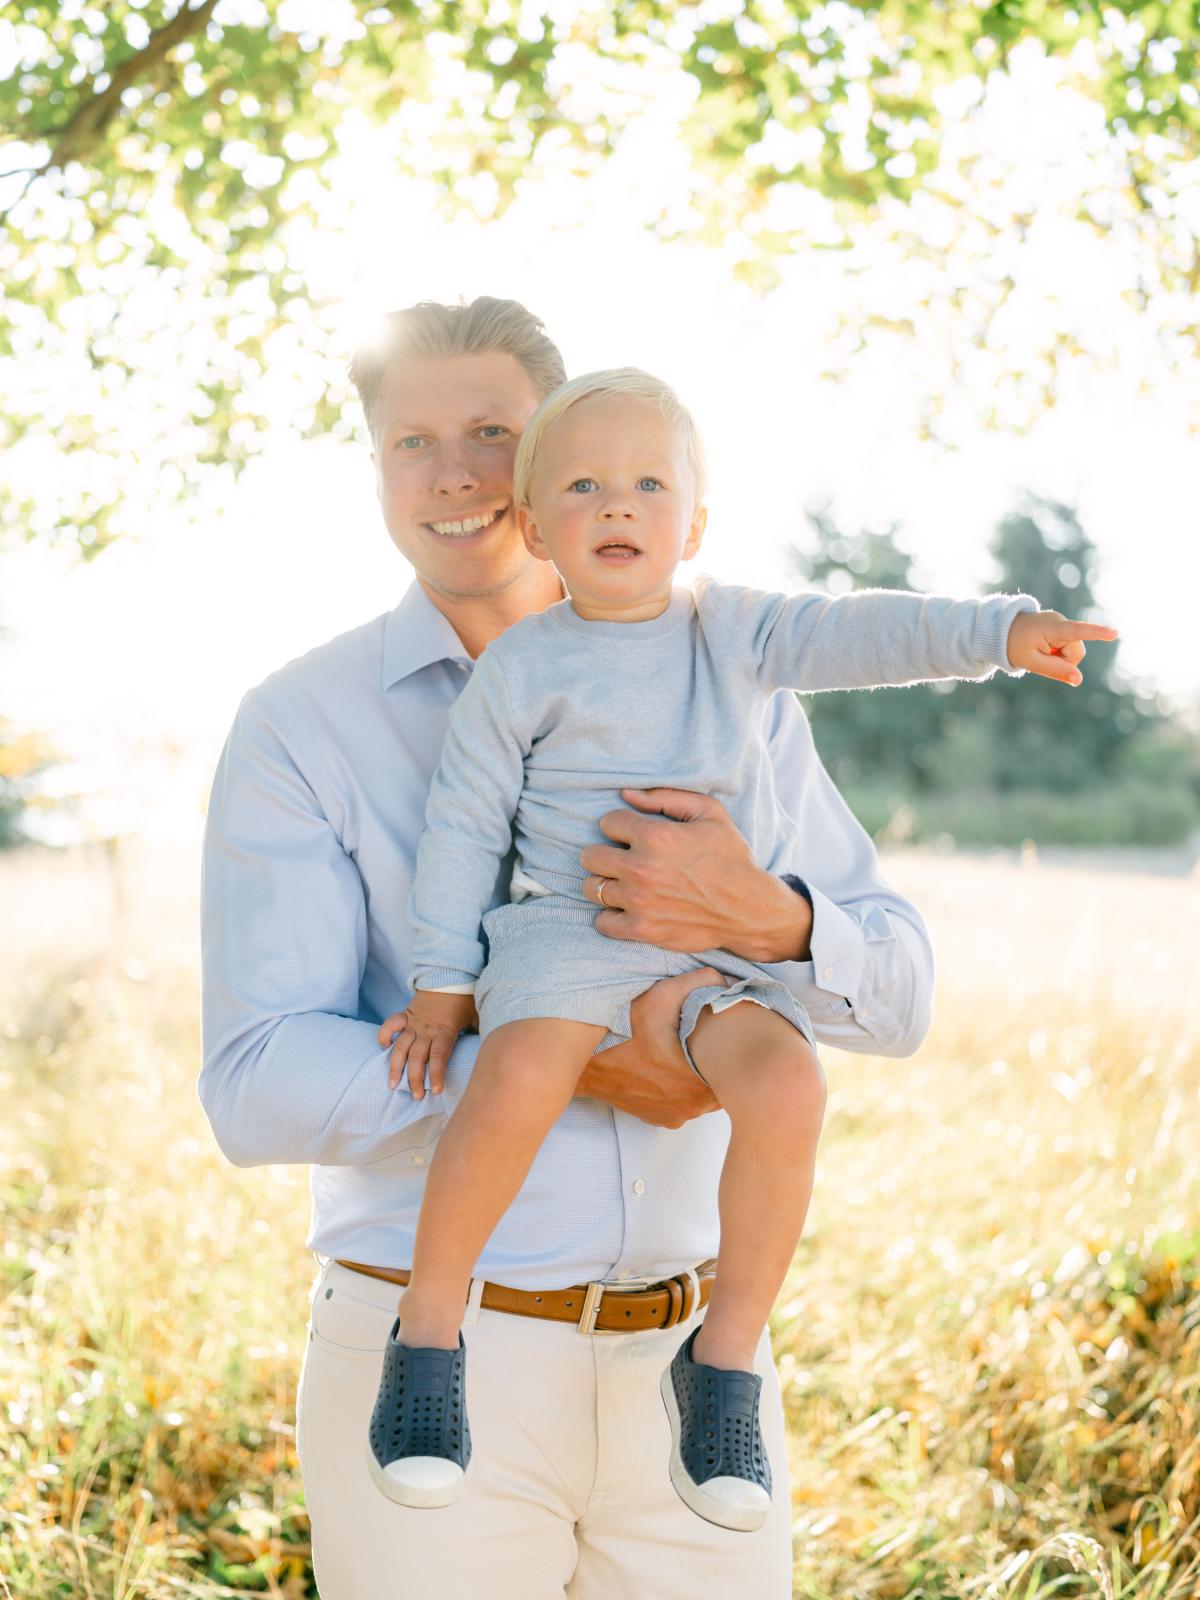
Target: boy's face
[(612, 501)]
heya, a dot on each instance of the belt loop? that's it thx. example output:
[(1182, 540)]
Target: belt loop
[(690, 1303), (474, 1299), (591, 1309)]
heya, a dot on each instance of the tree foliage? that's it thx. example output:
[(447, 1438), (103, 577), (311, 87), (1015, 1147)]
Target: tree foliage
[(167, 162), (1065, 741), (1012, 735), (22, 758)]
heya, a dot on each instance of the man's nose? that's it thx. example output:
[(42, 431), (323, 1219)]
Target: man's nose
[(454, 475)]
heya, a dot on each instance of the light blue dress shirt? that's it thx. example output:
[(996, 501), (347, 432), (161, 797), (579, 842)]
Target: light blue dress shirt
[(310, 848)]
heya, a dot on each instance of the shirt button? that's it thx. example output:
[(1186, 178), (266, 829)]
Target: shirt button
[(638, 1186), (418, 1161), (828, 972)]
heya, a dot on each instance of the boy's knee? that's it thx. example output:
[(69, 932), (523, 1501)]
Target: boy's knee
[(513, 1070), (789, 1081)]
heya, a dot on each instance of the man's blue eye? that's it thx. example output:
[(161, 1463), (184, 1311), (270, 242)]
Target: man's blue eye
[(584, 485), (654, 483), (492, 429), (411, 442)]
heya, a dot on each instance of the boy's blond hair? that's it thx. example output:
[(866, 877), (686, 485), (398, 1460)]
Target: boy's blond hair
[(612, 380)]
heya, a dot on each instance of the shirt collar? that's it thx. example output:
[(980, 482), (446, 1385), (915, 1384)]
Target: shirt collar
[(415, 635)]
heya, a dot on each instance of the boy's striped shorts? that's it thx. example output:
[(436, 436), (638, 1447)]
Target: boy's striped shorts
[(547, 959)]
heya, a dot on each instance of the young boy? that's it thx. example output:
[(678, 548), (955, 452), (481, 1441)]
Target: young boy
[(630, 684)]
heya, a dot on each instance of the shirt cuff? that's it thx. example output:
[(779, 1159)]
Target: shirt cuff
[(835, 968), (428, 983), (997, 650)]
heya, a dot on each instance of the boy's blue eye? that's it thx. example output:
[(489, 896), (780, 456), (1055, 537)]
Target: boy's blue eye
[(653, 483), (584, 485)]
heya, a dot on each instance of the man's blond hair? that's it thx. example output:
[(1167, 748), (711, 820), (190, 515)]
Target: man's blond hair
[(429, 329), (612, 380)]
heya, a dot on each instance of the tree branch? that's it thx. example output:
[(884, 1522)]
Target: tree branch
[(83, 130), (77, 137)]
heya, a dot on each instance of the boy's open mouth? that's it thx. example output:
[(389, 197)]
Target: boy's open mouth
[(617, 551), (466, 527)]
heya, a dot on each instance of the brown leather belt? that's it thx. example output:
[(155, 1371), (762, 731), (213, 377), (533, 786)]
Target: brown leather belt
[(593, 1307)]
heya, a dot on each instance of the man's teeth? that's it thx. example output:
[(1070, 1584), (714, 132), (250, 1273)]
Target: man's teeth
[(471, 525)]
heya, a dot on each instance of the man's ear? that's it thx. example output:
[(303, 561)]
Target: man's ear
[(534, 542), (695, 533)]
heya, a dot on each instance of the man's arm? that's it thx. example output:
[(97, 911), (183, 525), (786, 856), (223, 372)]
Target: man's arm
[(291, 1072), (868, 977), (858, 959)]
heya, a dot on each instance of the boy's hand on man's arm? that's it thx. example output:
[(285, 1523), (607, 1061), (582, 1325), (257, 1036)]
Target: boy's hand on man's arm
[(1051, 645), (423, 1037)]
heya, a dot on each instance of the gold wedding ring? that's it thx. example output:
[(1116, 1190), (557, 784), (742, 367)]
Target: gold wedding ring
[(600, 892)]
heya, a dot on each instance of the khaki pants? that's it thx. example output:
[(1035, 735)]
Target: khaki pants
[(568, 1496)]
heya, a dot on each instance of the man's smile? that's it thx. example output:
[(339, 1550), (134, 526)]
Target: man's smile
[(466, 527)]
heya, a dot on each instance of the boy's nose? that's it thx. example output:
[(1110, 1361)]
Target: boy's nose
[(610, 513)]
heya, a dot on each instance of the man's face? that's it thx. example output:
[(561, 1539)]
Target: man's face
[(612, 500), (446, 432)]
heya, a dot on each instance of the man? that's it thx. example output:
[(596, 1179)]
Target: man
[(313, 826)]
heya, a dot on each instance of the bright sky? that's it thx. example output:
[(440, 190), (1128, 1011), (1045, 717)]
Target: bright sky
[(134, 664)]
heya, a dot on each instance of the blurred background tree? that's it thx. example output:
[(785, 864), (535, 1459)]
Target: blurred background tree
[(1104, 764), (164, 167), (23, 756)]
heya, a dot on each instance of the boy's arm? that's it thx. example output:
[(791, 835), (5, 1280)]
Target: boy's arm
[(468, 832), (290, 1072), (876, 637), (867, 639)]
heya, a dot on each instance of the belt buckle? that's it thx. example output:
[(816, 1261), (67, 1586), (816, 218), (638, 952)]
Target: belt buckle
[(591, 1309)]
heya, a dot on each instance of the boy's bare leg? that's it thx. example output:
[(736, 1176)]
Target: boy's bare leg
[(523, 1078), (767, 1077)]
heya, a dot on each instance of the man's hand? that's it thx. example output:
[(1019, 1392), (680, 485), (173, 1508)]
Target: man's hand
[(649, 1076), (424, 1035), (1052, 645), (681, 876)]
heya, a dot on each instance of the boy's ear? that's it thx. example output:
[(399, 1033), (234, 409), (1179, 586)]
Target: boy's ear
[(695, 533), (534, 542)]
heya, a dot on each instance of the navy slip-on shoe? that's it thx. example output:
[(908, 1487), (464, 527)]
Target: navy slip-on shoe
[(719, 1464), (419, 1442)]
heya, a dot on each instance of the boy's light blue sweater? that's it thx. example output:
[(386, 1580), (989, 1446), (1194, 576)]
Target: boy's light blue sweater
[(561, 713)]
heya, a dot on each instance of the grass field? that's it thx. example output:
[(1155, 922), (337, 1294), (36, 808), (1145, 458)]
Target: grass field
[(990, 1344)]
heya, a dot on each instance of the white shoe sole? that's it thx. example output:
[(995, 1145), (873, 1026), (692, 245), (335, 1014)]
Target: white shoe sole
[(741, 1519), (420, 1497)]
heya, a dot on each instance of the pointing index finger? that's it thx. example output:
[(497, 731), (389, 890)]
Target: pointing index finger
[(1087, 630)]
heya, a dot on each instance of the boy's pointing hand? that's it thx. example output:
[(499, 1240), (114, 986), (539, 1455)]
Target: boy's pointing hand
[(1051, 645)]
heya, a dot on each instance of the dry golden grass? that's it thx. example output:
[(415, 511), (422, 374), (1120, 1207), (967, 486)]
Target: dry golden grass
[(990, 1344)]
